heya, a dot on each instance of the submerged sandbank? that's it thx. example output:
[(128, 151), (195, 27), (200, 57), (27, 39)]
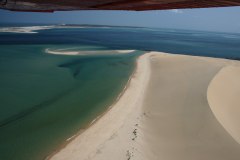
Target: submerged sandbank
[(162, 114), (33, 29), (93, 52), (29, 29)]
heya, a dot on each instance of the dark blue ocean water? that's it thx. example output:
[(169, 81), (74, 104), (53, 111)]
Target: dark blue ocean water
[(202, 43)]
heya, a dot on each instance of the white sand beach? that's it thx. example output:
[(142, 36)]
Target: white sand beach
[(168, 111)]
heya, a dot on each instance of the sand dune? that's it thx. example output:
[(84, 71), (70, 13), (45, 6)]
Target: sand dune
[(224, 99), (163, 115), (180, 124)]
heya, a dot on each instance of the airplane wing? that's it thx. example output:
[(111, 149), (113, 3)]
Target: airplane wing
[(131, 5)]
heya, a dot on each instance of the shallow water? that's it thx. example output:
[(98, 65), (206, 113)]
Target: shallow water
[(46, 99)]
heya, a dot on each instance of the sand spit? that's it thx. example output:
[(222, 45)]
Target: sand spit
[(116, 127), (162, 114), (224, 99), (93, 52)]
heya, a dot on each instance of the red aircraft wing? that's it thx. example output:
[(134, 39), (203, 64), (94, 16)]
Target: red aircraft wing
[(133, 5)]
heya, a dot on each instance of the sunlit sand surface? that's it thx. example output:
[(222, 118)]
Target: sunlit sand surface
[(164, 114)]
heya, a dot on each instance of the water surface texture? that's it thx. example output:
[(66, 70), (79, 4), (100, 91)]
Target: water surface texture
[(46, 99)]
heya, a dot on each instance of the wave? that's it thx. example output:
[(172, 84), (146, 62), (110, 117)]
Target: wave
[(231, 36)]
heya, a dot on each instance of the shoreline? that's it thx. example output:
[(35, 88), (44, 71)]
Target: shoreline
[(100, 117), (147, 120), (70, 139)]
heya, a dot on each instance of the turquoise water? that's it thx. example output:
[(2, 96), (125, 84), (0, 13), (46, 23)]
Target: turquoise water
[(46, 99)]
